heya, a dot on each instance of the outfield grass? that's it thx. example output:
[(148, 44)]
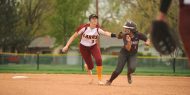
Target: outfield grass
[(77, 69)]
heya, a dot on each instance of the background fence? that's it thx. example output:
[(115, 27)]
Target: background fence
[(49, 63)]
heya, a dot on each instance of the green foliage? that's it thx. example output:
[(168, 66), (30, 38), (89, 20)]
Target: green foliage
[(68, 15), (143, 12), (140, 11), (139, 54), (110, 61), (32, 15), (20, 22), (149, 54), (110, 15), (8, 20)]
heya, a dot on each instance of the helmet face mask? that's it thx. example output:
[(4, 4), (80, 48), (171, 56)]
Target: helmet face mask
[(127, 31), (130, 25)]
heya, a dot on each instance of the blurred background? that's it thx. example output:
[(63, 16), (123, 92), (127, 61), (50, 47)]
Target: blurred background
[(32, 32)]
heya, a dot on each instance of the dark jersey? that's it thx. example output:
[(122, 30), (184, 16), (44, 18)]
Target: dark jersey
[(135, 41)]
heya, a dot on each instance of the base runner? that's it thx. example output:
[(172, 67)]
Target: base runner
[(128, 53)]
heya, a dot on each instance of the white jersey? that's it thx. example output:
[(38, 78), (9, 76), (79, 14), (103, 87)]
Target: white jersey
[(89, 36)]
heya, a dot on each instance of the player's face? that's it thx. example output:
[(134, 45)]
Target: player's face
[(127, 31), (94, 21)]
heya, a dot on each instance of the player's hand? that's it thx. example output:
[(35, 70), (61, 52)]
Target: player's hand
[(65, 49), (128, 38), (120, 35), (147, 42), (161, 17)]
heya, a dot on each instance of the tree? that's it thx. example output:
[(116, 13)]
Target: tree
[(8, 21), (110, 13), (32, 15), (68, 15), (20, 22), (143, 12)]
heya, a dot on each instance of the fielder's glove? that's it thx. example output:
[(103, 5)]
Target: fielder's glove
[(161, 37)]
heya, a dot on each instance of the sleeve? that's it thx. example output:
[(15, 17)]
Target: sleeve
[(142, 37), (124, 40), (80, 30), (164, 6), (100, 31)]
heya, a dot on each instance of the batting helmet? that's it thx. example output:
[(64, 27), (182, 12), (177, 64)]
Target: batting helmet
[(130, 25)]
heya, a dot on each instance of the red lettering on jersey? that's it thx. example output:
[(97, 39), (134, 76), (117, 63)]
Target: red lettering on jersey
[(89, 36)]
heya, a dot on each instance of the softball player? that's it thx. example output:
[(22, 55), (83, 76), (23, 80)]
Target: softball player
[(88, 45), (128, 53)]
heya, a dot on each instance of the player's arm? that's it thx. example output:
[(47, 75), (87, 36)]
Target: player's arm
[(79, 31), (164, 6), (144, 38), (72, 38), (106, 33), (129, 43), (147, 42), (121, 35)]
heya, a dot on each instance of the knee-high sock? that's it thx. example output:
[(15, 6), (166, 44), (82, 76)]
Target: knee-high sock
[(99, 72)]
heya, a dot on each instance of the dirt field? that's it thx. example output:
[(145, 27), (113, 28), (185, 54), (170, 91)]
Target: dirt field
[(66, 84)]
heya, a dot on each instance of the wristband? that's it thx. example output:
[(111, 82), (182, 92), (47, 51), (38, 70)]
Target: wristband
[(113, 35)]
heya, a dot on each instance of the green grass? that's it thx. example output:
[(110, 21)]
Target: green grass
[(77, 69)]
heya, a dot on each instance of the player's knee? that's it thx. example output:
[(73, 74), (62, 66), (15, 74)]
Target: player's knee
[(131, 70), (118, 71), (90, 67), (99, 62)]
